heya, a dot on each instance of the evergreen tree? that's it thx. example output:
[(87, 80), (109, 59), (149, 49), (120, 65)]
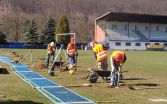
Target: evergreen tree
[(31, 34), (63, 27), (2, 37), (49, 31)]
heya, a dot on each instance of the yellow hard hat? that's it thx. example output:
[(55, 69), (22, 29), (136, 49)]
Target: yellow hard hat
[(71, 72)]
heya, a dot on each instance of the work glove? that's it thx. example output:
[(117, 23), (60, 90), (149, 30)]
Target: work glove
[(121, 64)]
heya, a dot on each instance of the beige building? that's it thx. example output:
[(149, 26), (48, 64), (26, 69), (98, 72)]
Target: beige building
[(131, 31)]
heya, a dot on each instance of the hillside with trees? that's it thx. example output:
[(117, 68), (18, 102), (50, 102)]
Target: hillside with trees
[(81, 14)]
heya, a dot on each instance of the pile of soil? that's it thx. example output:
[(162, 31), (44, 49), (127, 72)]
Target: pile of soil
[(39, 65)]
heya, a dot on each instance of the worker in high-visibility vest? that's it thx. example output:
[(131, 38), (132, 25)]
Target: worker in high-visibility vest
[(72, 52), (51, 48), (100, 55), (117, 59)]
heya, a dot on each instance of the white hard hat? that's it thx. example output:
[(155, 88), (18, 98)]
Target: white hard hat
[(91, 43), (52, 44)]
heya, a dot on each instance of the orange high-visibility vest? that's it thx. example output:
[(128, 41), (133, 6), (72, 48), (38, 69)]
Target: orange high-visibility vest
[(100, 52), (71, 49), (51, 49), (113, 55)]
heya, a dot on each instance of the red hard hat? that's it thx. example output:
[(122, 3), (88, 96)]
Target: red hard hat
[(72, 39), (118, 57)]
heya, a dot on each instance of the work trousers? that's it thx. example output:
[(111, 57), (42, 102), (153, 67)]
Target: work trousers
[(116, 68), (49, 57), (71, 60), (102, 65)]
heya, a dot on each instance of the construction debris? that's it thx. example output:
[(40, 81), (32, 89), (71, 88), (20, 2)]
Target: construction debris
[(83, 85), (158, 100), (2, 96), (133, 87), (15, 62)]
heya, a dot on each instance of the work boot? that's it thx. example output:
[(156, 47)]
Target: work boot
[(116, 86), (111, 86)]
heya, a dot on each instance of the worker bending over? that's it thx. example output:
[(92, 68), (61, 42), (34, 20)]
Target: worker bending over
[(117, 59), (100, 55)]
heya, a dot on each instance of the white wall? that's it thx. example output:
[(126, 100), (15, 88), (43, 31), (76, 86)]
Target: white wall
[(132, 47), (117, 30), (125, 31)]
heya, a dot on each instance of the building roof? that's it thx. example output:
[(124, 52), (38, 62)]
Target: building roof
[(132, 17)]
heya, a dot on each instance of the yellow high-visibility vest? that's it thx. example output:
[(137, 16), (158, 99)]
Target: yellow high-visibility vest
[(100, 52)]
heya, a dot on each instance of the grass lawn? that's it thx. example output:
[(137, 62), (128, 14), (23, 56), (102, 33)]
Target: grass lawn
[(149, 67)]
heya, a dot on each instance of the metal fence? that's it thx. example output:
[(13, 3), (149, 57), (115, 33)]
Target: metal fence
[(35, 46)]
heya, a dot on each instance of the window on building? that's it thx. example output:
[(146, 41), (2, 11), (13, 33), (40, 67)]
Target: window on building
[(156, 43), (165, 44), (114, 26), (126, 27), (146, 44), (157, 28), (146, 28), (118, 43), (128, 44), (138, 44), (136, 27)]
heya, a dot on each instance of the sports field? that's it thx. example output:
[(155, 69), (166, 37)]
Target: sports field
[(144, 80)]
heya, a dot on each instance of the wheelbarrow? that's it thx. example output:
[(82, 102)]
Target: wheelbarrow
[(95, 74), (104, 74)]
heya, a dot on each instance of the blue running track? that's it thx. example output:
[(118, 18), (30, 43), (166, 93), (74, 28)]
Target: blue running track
[(55, 92)]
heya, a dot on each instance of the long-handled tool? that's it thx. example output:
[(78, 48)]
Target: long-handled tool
[(51, 69), (31, 57), (76, 59)]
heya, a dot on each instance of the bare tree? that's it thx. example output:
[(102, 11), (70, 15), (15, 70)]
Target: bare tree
[(81, 13)]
